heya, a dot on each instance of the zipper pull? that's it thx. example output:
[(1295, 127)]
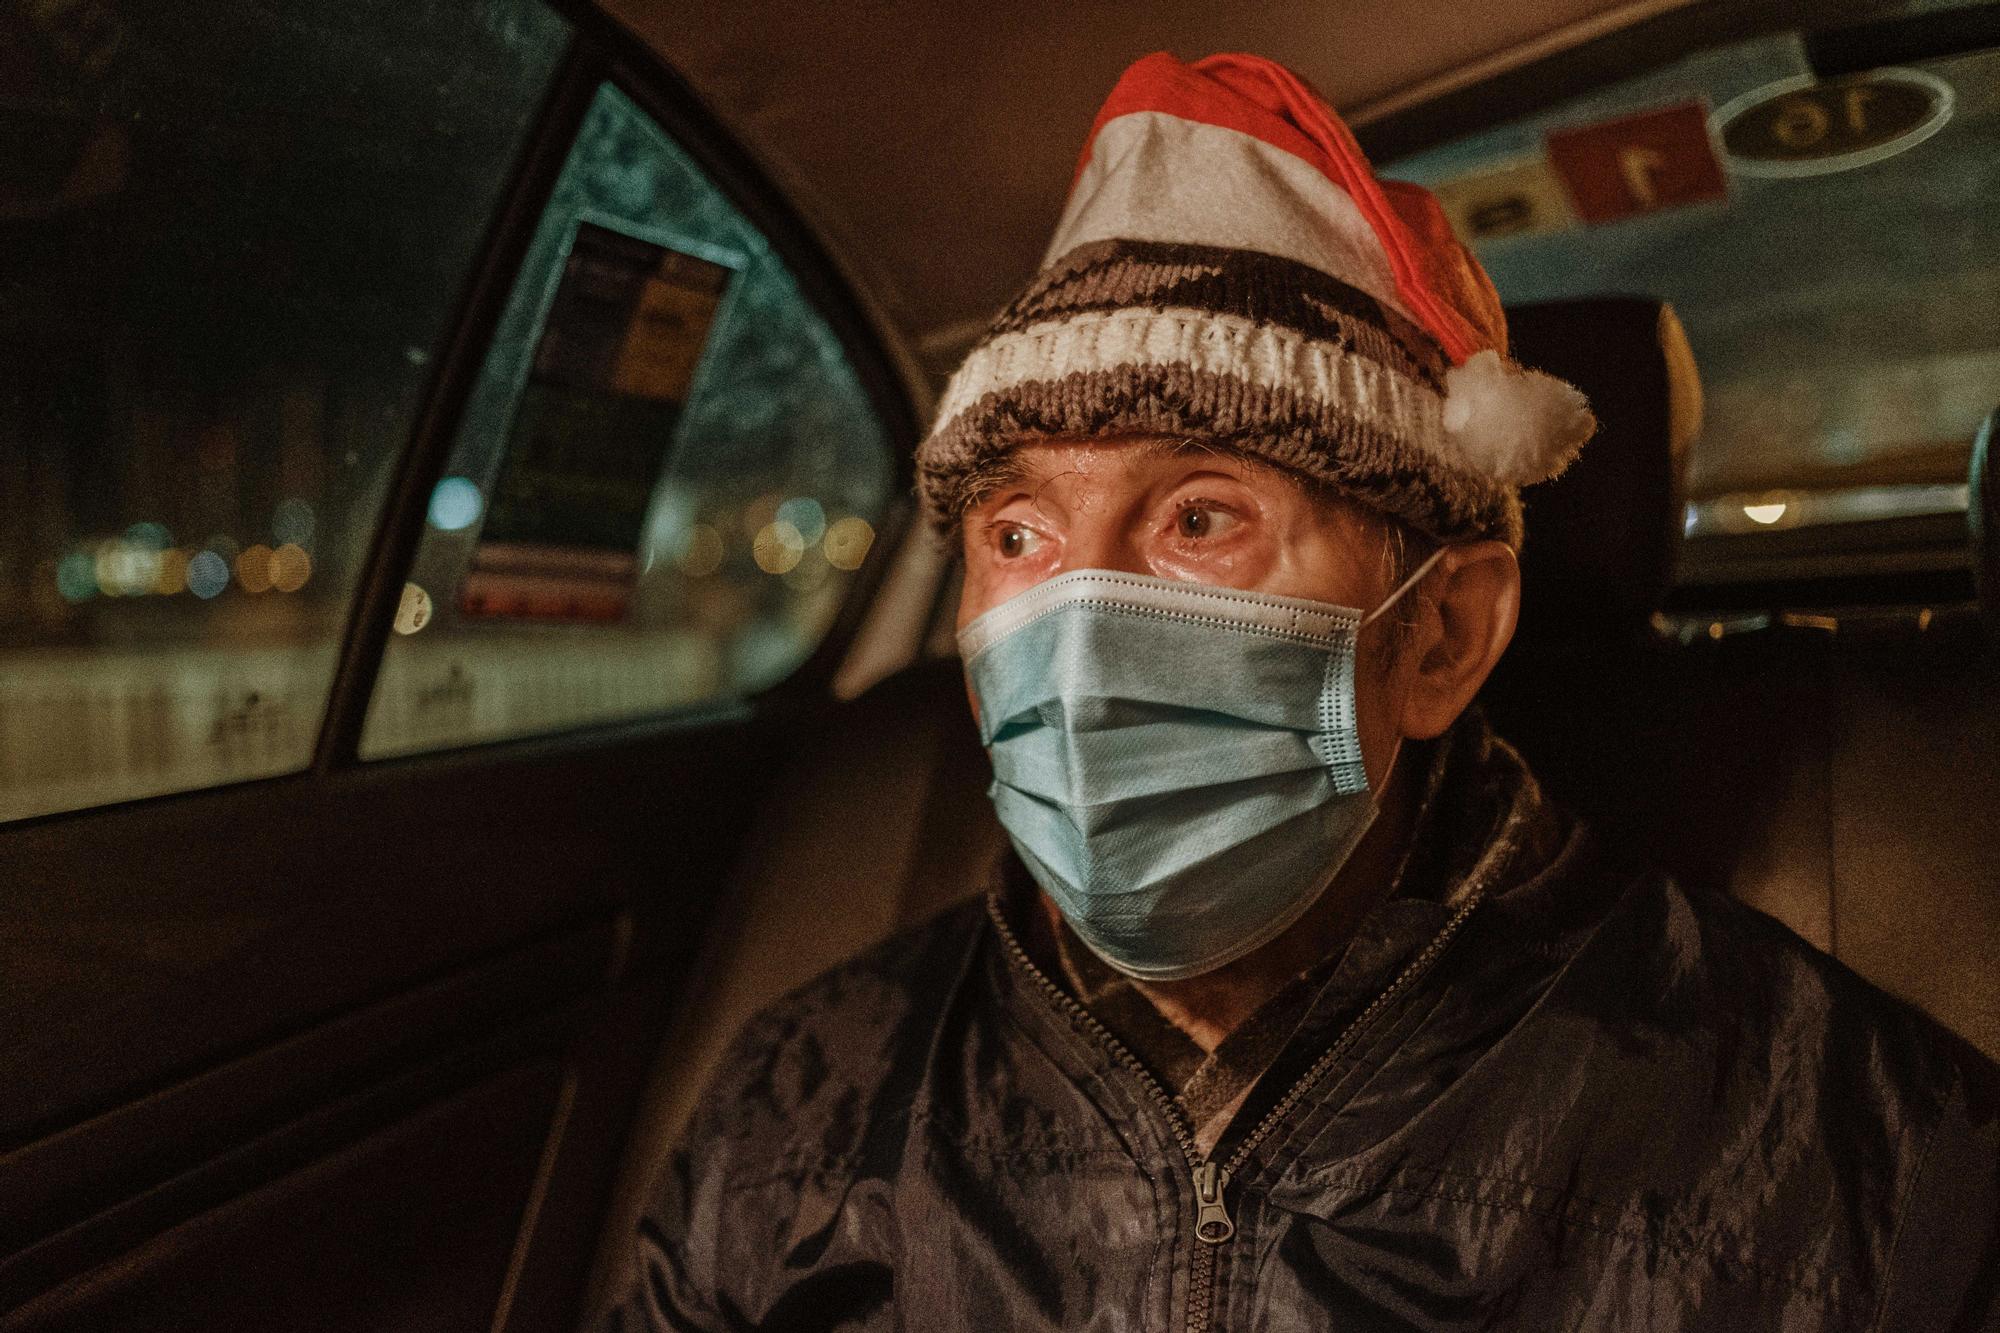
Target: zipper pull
[(1211, 1215)]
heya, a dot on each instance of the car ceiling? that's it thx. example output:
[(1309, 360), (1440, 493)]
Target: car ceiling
[(930, 144)]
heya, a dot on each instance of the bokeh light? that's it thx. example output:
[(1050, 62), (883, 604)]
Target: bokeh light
[(126, 568), (253, 568), (456, 504), (290, 567), (171, 577), (847, 543), (293, 522), (149, 536), (777, 547), (703, 554), (207, 575), (104, 568), (804, 513), (76, 577), (761, 512)]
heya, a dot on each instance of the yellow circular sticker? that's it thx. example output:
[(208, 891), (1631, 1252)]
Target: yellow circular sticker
[(414, 611)]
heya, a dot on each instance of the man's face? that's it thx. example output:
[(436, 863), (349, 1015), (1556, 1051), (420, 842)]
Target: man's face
[(1152, 506)]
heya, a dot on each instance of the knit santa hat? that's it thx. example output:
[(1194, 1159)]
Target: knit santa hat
[(1229, 269)]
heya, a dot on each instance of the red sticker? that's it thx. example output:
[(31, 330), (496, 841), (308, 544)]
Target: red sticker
[(1639, 164)]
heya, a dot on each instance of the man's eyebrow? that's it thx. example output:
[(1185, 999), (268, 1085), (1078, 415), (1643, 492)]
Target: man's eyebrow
[(993, 475)]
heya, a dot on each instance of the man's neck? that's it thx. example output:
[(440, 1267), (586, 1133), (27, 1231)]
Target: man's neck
[(1211, 1006)]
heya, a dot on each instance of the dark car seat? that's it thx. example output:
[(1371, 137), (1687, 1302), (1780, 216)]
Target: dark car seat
[(1714, 759), (1593, 694), (1837, 769)]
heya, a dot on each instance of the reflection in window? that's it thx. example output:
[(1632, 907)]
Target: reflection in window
[(231, 237), (666, 474), (1838, 288)]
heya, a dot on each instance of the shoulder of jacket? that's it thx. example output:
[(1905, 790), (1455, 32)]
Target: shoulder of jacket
[(806, 1058), (870, 991), (1766, 991)]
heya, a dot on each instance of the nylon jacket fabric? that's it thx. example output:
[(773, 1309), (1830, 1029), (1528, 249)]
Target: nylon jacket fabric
[(1585, 1099)]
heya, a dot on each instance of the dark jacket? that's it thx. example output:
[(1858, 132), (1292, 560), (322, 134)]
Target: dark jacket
[(1580, 1097)]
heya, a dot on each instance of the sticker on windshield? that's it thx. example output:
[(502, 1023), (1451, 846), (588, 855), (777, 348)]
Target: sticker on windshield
[(1640, 164), (1802, 127), (613, 368), (1518, 198)]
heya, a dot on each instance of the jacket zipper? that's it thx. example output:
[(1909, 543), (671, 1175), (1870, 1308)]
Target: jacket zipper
[(1213, 1224)]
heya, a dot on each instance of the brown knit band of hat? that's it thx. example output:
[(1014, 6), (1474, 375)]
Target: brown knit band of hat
[(1247, 352), (1230, 270)]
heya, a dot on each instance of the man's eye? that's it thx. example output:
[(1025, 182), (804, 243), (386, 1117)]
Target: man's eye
[(1197, 521), (1014, 542)]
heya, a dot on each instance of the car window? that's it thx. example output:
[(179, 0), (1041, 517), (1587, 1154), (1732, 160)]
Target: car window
[(232, 239), (1830, 244), (664, 482)]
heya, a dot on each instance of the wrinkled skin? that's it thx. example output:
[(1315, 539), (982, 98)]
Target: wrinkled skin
[(1175, 510), (1146, 506)]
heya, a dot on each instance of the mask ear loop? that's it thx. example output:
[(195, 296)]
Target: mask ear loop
[(1416, 577)]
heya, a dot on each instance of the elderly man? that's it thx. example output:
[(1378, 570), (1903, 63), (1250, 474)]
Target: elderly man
[(1296, 1004)]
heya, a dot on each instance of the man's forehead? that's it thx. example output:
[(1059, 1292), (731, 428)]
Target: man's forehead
[(1058, 473)]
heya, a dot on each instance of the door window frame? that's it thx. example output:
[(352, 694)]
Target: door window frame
[(603, 52)]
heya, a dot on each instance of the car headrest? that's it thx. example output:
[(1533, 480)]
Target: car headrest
[(1603, 537), (1982, 512)]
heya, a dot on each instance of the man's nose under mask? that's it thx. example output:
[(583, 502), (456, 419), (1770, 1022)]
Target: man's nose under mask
[(1178, 765)]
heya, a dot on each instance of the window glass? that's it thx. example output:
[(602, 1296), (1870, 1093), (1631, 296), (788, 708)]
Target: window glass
[(1830, 244), (232, 235), (666, 475)]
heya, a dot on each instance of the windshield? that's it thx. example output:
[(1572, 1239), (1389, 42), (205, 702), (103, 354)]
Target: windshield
[(1830, 243)]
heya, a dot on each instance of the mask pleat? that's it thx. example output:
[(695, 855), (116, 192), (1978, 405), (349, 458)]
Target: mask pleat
[(1182, 785), (1085, 652), (1122, 845), (1166, 754)]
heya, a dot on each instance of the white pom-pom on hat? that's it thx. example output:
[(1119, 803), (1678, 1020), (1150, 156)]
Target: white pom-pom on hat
[(1515, 425)]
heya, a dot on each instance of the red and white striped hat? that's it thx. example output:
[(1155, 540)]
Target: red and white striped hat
[(1229, 268)]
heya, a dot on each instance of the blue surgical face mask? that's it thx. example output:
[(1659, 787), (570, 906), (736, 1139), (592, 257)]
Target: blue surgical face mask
[(1177, 764)]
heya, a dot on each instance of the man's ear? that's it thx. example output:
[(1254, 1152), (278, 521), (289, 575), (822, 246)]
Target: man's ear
[(1468, 606)]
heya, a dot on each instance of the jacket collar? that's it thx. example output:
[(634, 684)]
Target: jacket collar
[(1484, 837)]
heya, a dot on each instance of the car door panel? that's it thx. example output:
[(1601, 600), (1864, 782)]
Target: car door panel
[(347, 1241), (483, 916), (359, 1047)]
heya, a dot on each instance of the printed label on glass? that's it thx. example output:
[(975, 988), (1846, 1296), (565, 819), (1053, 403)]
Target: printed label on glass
[(1634, 165), (1799, 127), (604, 393), (1520, 198)]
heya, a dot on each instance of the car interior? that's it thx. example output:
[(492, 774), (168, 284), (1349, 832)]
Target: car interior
[(409, 784)]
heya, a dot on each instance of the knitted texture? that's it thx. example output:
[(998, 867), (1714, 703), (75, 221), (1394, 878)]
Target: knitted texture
[(1248, 352), (1229, 270)]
